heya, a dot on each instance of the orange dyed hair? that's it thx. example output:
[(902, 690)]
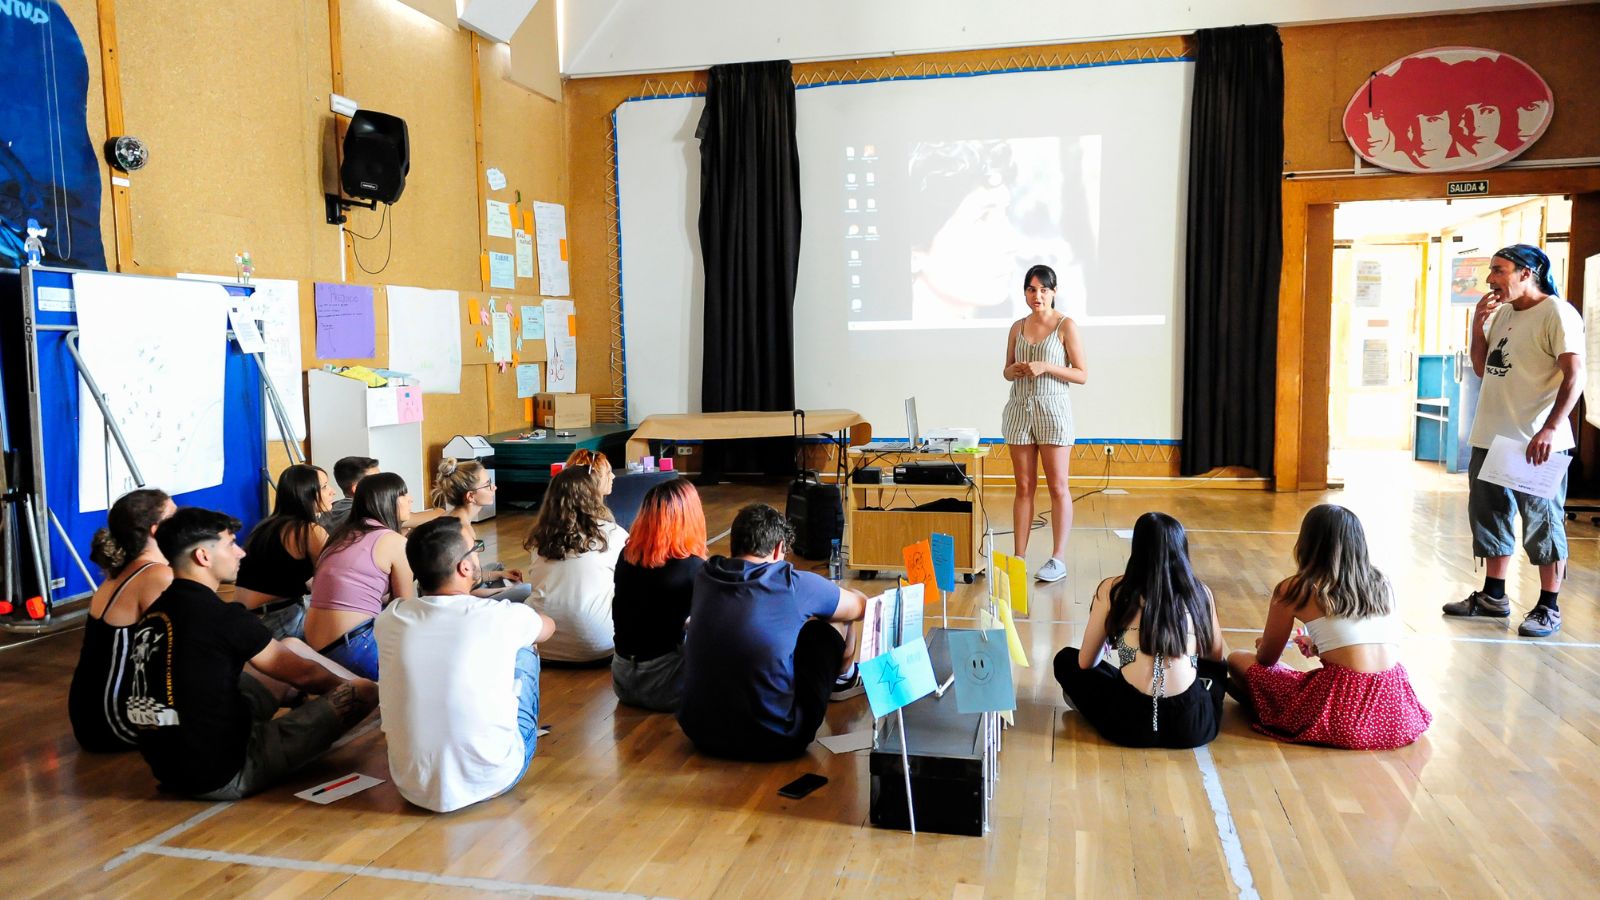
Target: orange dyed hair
[(671, 525), (597, 462)]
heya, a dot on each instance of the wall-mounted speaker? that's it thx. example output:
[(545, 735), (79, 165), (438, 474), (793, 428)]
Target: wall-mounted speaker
[(377, 157)]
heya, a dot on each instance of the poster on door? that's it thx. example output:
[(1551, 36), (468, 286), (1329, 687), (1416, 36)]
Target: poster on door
[(1468, 282), (1369, 283)]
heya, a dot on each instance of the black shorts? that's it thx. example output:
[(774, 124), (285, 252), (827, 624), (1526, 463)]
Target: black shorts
[(1122, 712), (818, 654)]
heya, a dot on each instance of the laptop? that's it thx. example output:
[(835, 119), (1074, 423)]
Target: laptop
[(900, 446)]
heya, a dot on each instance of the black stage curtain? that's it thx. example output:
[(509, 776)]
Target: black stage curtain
[(1235, 250), (750, 242)]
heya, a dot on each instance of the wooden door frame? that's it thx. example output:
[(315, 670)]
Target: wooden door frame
[(1305, 303)]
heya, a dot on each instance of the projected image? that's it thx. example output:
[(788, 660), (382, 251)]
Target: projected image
[(967, 218)]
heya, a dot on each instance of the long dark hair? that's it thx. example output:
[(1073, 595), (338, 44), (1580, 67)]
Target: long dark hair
[(571, 518), (1160, 587), (294, 510), (127, 530), (377, 499), (1333, 568)]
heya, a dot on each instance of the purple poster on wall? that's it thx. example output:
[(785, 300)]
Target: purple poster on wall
[(345, 327)]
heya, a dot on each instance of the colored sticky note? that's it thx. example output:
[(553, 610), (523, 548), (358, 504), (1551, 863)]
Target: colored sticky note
[(572, 326), (514, 218), (900, 676), (911, 599), (472, 311), (484, 262), (1013, 641), (1017, 572), (563, 249), (942, 547), (527, 220), (346, 328), (982, 669), (919, 565)]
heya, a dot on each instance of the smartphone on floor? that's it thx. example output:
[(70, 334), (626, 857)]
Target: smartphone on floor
[(802, 786)]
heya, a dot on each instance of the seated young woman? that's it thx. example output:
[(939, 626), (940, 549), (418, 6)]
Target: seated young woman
[(135, 575), (597, 465), (281, 552), (1164, 685), (654, 584), (1360, 698), (465, 488), (575, 545), (362, 569)]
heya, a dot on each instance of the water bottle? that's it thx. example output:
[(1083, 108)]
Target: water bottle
[(835, 562)]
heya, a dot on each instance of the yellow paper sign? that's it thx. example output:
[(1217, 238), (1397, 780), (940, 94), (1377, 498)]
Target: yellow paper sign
[(1012, 640), (919, 568), (1017, 572), (1000, 579), (527, 220)]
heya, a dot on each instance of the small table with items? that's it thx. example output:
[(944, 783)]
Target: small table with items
[(522, 462)]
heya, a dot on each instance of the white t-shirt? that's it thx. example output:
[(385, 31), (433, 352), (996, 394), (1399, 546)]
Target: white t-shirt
[(576, 592), (1520, 375), (448, 696)]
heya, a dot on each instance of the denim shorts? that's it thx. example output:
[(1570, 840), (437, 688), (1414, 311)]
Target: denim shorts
[(356, 650), (1492, 511), (287, 621)]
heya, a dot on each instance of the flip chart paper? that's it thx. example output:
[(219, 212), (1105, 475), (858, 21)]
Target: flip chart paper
[(943, 549), (982, 668), (561, 349), (1507, 465), (900, 676), (275, 305), (550, 234), (345, 327), (424, 339)]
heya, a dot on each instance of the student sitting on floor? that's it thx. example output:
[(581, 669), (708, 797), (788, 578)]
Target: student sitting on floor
[(597, 465), (136, 574), (460, 692), (1360, 698), (768, 646), (205, 725), (363, 567), (281, 552), (575, 546), (347, 473), (465, 487), (655, 582), (1165, 684)]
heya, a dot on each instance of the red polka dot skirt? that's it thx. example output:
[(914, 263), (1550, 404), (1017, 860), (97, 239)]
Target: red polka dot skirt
[(1338, 707)]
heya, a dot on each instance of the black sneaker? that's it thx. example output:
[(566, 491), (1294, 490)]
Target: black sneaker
[(1542, 621), (848, 685), (1479, 604)]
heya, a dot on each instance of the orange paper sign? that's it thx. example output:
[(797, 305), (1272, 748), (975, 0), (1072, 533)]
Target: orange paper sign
[(919, 568), (527, 220), (484, 261), (472, 312), (572, 326), (563, 249)]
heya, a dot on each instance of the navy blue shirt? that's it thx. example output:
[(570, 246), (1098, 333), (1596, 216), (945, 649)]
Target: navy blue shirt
[(739, 656)]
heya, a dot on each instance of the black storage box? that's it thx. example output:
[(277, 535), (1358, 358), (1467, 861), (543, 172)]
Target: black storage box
[(946, 752)]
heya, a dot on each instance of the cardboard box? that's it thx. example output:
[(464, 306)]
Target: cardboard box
[(563, 410)]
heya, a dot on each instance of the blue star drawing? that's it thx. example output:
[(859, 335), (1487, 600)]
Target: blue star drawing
[(892, 678)]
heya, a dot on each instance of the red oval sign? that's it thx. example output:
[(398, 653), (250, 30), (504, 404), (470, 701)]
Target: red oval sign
[(1449, 109)]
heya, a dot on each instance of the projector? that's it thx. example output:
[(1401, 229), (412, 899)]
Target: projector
[(934, 471), (948, 439)]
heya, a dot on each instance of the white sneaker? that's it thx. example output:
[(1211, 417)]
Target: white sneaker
[(1053, 570)]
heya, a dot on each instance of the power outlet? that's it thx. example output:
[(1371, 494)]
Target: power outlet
[(685, 451), (1110, 450)]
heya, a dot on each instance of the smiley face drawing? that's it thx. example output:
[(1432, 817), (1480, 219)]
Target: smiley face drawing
[(981, 666)]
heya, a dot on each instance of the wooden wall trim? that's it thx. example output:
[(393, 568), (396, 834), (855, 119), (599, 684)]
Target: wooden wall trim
[(111, 82)]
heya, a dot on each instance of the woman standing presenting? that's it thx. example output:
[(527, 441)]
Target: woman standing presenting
[(1043, 356)]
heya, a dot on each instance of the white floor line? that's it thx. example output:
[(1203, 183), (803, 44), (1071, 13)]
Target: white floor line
[(410, 875), (1232, 849), (167, 835), (719, 537)]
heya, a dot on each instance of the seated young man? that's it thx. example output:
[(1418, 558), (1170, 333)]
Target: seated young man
[(460, 691), (766, 647), (347, 473), (205, 724)]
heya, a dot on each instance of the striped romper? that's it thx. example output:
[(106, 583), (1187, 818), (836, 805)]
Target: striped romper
[(1039, 410)]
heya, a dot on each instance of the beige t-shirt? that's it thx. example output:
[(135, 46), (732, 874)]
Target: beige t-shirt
[(1520, 375)]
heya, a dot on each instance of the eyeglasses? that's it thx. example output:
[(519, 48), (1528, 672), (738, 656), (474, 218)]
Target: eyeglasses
[(477, 547), (482, 487)]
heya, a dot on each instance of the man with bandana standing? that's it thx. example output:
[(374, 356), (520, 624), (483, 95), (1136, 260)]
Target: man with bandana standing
[(1527, 346)]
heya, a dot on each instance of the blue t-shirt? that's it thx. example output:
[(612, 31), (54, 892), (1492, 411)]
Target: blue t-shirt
[(738, 658)]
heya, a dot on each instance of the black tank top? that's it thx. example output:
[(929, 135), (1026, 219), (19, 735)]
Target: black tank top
[(97, 700), (270, 569)]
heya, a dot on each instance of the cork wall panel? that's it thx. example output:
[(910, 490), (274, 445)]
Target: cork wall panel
[(403, 63), (446, 415), (1324, 64), (83, 15), (224, 94)]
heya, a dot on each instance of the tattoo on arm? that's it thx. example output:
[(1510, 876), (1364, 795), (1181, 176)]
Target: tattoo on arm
[(346, 704)]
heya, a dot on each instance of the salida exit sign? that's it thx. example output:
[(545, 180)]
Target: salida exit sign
[(1466, 188)]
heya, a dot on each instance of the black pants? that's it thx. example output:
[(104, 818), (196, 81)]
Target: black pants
[(1122, 712)]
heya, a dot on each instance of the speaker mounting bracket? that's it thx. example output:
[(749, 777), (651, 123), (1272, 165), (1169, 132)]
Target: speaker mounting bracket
[(336, 205)]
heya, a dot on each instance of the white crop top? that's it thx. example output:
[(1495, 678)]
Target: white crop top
[(1329, 633)]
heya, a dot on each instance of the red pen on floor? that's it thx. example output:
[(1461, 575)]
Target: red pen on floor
[(337, 784)]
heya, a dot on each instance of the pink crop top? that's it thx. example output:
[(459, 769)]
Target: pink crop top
[(348, 580)]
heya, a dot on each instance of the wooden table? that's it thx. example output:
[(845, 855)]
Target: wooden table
[(880, 519), (522, 464), (745, 424)]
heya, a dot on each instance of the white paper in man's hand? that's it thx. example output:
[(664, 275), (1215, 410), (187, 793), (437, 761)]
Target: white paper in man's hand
[(1507, 465)]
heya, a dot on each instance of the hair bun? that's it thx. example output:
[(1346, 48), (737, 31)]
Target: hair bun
[(105, 552), (448, 466)]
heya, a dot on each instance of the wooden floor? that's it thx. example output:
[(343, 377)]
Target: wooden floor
[(1500, 798)]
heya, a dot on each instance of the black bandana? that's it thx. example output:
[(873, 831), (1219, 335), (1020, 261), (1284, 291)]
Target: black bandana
[(1527, 256)]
